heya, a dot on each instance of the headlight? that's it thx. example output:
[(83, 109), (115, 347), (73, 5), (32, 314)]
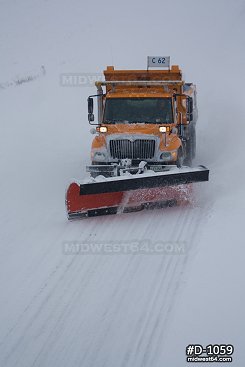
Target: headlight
[(162, 129), (103, 129), (166, 156), (169, 156), (99, 156)]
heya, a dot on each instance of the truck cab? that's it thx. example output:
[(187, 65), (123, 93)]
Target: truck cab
[(144, 115)]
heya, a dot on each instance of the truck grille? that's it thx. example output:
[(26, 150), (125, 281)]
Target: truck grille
[(137, 149)]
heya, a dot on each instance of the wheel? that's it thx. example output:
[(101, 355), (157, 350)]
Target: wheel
[(180, 158), (193, 139), (190, 148), (188, 157)]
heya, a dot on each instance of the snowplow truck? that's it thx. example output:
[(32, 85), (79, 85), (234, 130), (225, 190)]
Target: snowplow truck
[(144, 144)]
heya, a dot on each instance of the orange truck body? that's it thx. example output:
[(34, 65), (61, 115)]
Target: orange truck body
[(179, 136)]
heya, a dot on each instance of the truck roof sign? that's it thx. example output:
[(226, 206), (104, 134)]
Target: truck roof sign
[(158, 61)]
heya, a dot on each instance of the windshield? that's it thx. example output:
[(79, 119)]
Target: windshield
[(138, 110)]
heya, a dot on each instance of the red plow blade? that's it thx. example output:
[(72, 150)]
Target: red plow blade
[(127, 194)]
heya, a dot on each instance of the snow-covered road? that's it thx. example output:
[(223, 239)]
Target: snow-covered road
[(96, 309)]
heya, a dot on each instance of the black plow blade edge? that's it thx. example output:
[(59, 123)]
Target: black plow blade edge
[(199, 174)]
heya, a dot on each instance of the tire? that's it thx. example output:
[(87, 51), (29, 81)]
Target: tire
[(193, 138), (190, 148), (188, 157), (180, 158)]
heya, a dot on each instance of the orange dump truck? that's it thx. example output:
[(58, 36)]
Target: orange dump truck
[(144, 144)]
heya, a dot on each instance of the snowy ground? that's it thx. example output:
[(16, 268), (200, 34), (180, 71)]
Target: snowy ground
[(116, 309)]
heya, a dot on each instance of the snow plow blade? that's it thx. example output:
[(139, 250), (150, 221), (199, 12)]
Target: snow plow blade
[(132, 193)]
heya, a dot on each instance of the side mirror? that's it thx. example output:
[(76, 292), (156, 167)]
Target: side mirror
[(90, 109), (90, 117), (90, 106)]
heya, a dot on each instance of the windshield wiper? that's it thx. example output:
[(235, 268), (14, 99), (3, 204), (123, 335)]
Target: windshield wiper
[(139, 122), (142, 122), (113, 121)]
